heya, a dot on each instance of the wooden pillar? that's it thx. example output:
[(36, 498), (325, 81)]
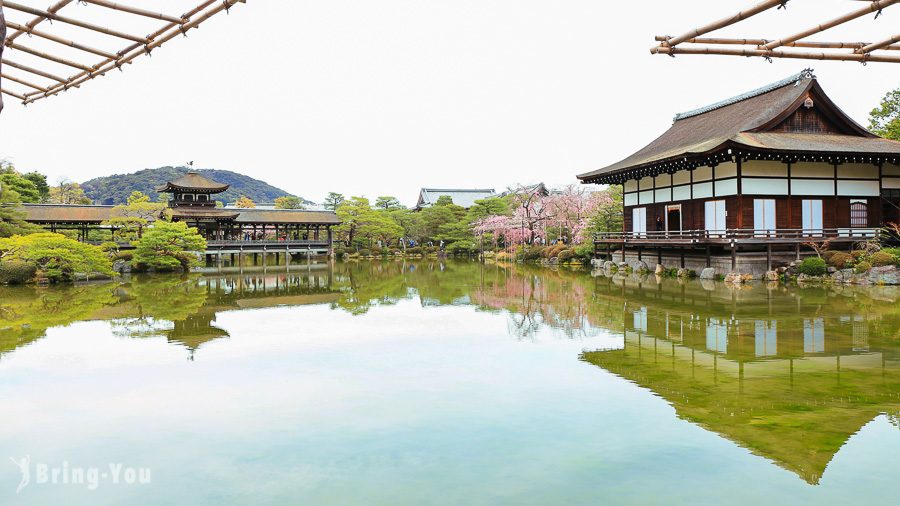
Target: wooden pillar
[(733, 257), (682, 258), (708, 256), (768, 257), (797, 248)]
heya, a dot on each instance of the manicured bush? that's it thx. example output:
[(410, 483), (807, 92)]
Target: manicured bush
[(585, 252), (415, 250), (882, 258), (16, 272), (840, 260), (813, 266), (124, 255), (365, 252), (863, 267), (826, 255), (892, 251), (503, 256), (858, 254), (566, 256)]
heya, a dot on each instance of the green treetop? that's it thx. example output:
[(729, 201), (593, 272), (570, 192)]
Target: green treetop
[(169, 246), (387, 203), (333, 201), (289, 203), (884, 120)]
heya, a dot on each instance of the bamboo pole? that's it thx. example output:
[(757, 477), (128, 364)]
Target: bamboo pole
[(106, 67), (34, 71), (800, 43), (38, 20), (887, 43), (779, 54), (60, 40), (135, 10), (12, 94), (50, 57), (740, 16), (875, 6), (70, 21), (22, 82)]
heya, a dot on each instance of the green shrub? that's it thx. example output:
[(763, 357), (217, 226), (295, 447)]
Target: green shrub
[(840, 260), (415, 250), (532, 254), (462, 247), (16, 272), (566, 256), (585, 252), (863, 267), (892, 251), (858, 254), (882, 258), (124, 255), (365, 252), (813, 266), (826, 255)]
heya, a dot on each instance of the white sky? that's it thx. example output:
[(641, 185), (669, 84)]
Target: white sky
[(382, 97)]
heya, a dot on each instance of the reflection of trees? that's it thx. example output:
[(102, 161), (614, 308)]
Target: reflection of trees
[(27, 312)]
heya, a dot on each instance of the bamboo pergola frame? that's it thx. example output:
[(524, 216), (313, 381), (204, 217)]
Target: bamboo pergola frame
[(37, 81), (886, 49)]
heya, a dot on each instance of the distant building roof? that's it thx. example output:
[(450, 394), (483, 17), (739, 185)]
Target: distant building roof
[(539, 188), (193, 181), (461, 197)]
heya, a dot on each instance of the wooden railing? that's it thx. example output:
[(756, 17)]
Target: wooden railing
[(274, 244), (740, 235)]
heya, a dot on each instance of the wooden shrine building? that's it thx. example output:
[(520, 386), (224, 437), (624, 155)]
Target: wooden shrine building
[(226, 230), (767, 170)]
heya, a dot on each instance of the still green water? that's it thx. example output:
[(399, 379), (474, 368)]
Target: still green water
[(447, 383)]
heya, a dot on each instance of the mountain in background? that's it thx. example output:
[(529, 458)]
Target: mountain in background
[(116, 188)]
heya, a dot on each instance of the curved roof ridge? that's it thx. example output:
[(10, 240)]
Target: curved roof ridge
[(792, 80)]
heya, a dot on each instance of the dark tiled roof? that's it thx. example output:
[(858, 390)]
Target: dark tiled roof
[(295, 216), (203, 212), (193, 181), (64, 213), (738, 121)]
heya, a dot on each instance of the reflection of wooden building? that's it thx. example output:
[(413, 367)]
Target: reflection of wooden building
[(770, 371), (775, 166)]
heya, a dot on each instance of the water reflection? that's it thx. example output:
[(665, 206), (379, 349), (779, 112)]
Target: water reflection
[(788, 373)]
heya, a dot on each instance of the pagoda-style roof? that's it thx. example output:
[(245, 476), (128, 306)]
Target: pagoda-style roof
[(792, 117), (192, 182)]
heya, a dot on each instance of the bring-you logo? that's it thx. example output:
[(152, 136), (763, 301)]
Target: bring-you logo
[(89, 477)]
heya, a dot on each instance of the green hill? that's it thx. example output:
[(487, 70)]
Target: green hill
[(116, 188)]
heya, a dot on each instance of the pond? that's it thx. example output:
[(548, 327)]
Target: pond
[(447, 383)]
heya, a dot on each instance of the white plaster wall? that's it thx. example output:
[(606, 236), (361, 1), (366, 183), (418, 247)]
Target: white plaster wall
[(702, 173), (891, 182), (763, 168), (646, 183), (702, 190), (664, 195), (812, 169), (726, 170), (767, 186), (726, 187), (858, 188), (681, 177), (812, 186), (857, 171), (663, 180), (630, 185), (684, 192)]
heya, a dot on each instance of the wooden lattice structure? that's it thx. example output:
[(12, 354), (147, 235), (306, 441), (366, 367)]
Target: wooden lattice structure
[(46, 51), (886, 48)]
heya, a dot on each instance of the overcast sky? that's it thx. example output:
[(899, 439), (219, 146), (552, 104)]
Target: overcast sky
[(383, 97)]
